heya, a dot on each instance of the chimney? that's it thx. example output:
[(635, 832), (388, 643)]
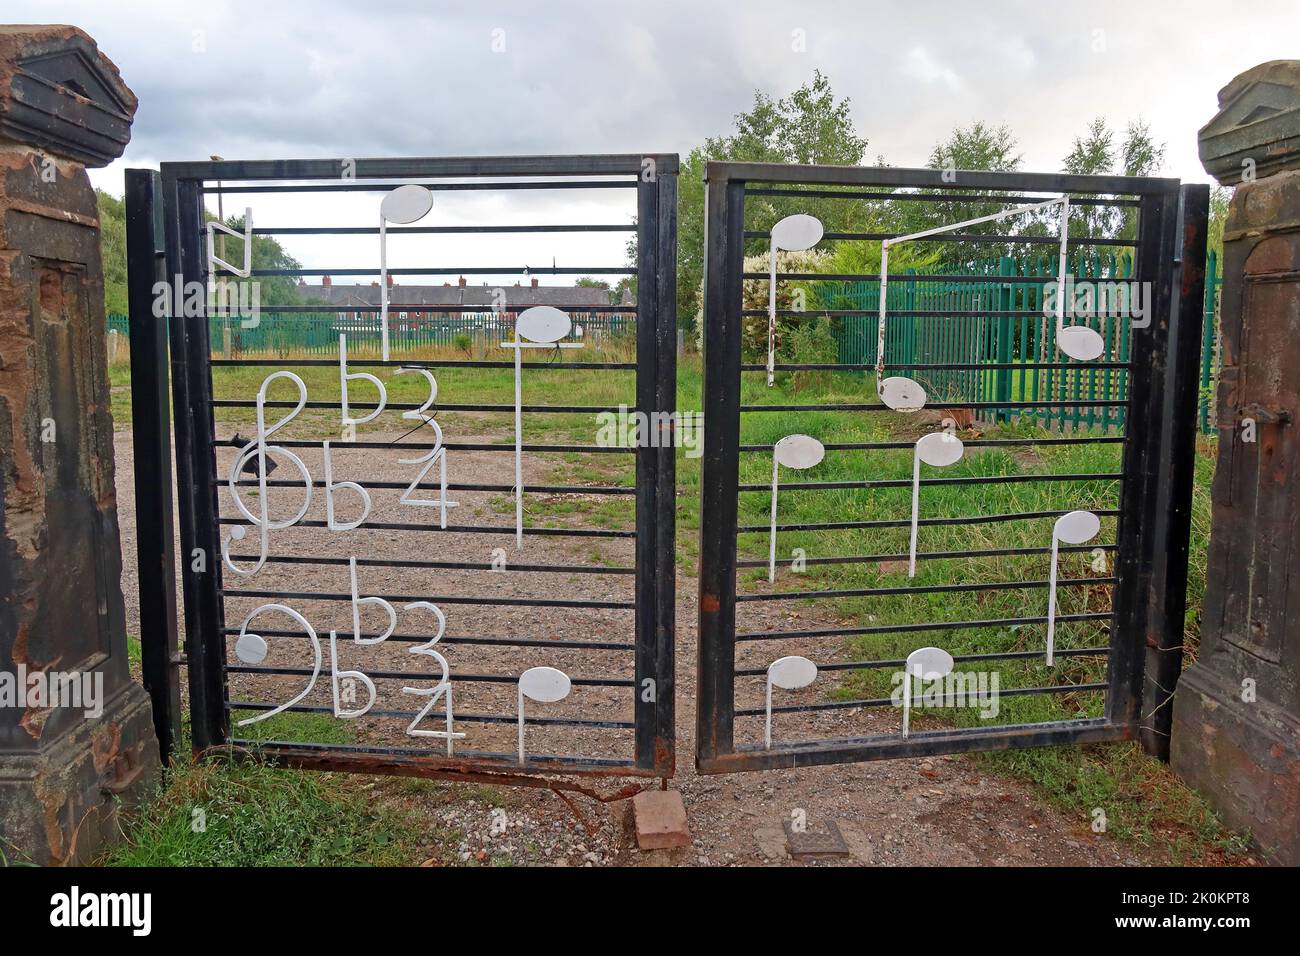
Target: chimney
[(462, 282), (374, 283), (302, 283), (534, 282), (325, 282), (390, 280)]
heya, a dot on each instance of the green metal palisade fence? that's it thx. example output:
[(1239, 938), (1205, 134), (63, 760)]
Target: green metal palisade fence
[(1026, 336)]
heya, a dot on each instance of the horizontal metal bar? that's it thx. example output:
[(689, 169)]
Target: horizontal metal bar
[(441, 407), (970, 366), (466, 678), (985, 198), (443, 599), (720, 171), (957, 237), (926, 555), (903, 277), (464, 718), (973, 443), (919, 589), (464, 529), (439, 308), (918, 626), (450, 446), (880, 407), (504, 186), (906, 313), (447, 271), (510, 568), (451, 486), (437, 230), (408, 638), (907, 482), (919, 743), (957, 658), (923, 522), (426, 363), (887, 701)]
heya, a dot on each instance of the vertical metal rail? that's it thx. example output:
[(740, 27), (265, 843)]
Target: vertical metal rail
[(1179, 427), (151, 438), (723, 265)]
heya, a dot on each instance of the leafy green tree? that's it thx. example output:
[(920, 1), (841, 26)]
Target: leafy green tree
[(112, 232)]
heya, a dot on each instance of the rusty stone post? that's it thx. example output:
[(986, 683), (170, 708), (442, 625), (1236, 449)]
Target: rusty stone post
[(1236, 732), (76, 733)]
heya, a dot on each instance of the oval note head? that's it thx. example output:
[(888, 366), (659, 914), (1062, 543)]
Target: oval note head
[(939, 449), (406, 204), (1077, 527), (902, 394), (797, 233), (1080, 342), (799, 451), (791, 673), (251, 648), (545, 685), (543, 324), (929, 663)]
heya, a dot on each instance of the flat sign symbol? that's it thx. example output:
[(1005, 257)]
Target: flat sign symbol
[(543, 324), (1076, 527), (546, 685), (795, 234), (924, 663), (787, 673), (793, 451), (404, 205), (938, 449)]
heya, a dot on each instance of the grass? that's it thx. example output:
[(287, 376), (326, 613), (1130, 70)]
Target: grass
[(1144, 804)]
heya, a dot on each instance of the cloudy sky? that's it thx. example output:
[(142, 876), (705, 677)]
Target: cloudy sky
[(329, 78)]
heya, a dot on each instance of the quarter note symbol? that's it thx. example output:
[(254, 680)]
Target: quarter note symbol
[(540, 327), (1076, 527), (937, 449), (787, 673), (404, 205), (794, 451), (924, 663), (794, 234), (546, 685), (1077, 341)]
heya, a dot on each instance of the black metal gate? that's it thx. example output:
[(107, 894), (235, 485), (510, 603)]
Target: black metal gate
[(306, 613), (988, 528)]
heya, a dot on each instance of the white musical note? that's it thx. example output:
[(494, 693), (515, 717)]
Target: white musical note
[(794, 234), (331, 486), (794, 451), (214, 261), (357, 601), (546, 685), (1076, 341), (335, 674), (1076, 527), (344, 377), (542, 326), (787, 673), (251, 649), (258, 446), (404, 205), (937, 449), (440, 690), (925, 663)]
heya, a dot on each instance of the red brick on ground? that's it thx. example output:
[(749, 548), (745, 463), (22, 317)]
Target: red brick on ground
[(660, 820)]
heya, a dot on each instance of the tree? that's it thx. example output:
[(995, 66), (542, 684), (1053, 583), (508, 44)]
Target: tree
[(112, 231), (808, 126)]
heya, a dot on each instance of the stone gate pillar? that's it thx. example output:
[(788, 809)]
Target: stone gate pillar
[(1236, 732), (76, 733)]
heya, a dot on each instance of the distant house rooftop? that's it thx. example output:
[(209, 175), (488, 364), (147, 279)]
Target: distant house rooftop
[(406, 297)]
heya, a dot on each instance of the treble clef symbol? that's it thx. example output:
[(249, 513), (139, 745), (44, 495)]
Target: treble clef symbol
[(259, 448)]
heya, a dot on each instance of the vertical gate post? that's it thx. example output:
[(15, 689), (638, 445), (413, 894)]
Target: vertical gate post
[(1176, 468), (76, 733), (1236, 734), (151, 440)]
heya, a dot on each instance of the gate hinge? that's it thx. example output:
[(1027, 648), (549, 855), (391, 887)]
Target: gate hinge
[(1265, 414)]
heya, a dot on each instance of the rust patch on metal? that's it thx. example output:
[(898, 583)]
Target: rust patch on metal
[(709, 603)]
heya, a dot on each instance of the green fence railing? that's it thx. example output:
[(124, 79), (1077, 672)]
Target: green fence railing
[(284, 334), (1026, 336)]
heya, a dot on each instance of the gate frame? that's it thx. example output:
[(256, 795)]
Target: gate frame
[(173, 199), (1155, 496)]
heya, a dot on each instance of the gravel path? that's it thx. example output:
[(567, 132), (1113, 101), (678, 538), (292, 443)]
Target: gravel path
[(940, 811)]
